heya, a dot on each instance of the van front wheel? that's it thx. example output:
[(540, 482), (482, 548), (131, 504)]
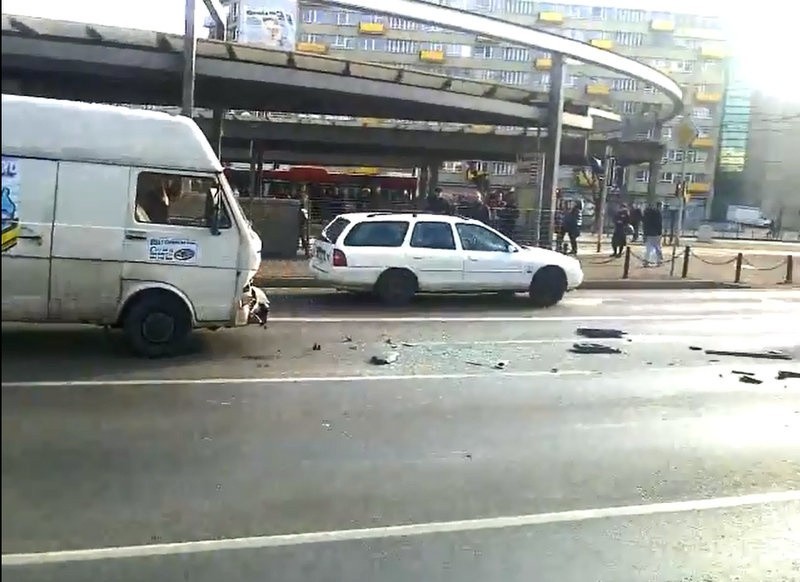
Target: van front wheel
[(157, 325)]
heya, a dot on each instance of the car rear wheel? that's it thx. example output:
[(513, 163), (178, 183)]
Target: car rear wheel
[(396, 287), (548, 286)]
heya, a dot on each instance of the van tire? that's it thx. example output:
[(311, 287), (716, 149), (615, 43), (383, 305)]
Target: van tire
[(548, 286), (157, 325), (396, 287)]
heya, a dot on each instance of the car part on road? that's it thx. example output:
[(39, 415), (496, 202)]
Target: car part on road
[(600, 333), (786, 374), (384, 359), (767, 355), (396, 287), (750, 380), (548, 286), (157, 324), (590, 348)]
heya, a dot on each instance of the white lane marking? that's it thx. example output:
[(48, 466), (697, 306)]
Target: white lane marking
[(416, 529), (293, 380), (433, 318), (765, 337)]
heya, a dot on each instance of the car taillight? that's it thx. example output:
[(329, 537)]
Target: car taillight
[(339, 258)]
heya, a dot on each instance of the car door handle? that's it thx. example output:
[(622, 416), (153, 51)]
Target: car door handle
[(472, 258), (135, 235)]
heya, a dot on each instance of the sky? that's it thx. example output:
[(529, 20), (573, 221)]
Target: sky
[(763, 35)]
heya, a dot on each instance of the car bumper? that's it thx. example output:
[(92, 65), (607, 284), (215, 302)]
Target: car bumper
[(346, 277), (253, 307), (575, 279)]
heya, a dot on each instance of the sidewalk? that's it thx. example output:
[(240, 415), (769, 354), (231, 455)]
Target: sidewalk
[(706, 270)]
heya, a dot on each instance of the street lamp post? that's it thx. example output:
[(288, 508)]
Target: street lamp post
[(189, 59)]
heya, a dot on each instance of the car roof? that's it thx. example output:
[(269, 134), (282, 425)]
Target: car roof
[(409, 216)]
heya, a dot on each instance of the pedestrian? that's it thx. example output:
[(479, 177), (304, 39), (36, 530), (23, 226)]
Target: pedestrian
[(652, 230), (572, 225), (302, 225), (619, 238)]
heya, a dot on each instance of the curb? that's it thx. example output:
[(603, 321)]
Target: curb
[(597, 284)]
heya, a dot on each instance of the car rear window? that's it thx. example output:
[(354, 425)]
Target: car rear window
[(334, 230), (388, 233)]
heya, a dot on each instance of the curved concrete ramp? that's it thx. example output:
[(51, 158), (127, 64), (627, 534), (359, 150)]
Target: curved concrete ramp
[(464, 21)]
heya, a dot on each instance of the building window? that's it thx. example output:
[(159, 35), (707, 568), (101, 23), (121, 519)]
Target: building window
[(623, 15), (402, 24), (625, 84), (642, 176), (310, 16), (515, 78), (343, 42), (310, 38), (701, 113), (401, 46), (520, 7), (503, 169), (629, 38), (512, 53), (629, 107), (682, 66), (345, 18), (667, 178), (483, 52)]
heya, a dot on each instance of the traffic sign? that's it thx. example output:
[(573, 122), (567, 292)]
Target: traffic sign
[(687, 132)]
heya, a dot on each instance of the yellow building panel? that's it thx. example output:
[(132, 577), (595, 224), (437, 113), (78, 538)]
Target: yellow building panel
[(662, 25), (543, 64), (431, 56), (312, 47), (698, 187), (706, 97), (598, 89), (603, 43), (371, 28), (703, 142), (713, 52), (551, 17)]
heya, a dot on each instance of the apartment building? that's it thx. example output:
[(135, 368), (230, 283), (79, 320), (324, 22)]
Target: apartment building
[(688, 47)]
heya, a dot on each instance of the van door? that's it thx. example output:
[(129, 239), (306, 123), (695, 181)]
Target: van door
[(91, 210), (29, 190), (169, 239)]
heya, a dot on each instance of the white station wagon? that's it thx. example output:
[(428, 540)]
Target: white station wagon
[(399, 255)]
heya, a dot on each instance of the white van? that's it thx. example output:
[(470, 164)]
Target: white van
[(121, 217)]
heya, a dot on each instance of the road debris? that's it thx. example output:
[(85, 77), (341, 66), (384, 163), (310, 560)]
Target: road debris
[(384, 359), (786, 374), (750, 380), (696, 348), (767, 355), (600, 333), (501, 365), (740, 373), (473, 363), (316, 348), (408, 345), (590, 348), (347, 339)]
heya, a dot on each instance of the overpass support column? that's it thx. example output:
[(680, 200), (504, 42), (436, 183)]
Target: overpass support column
[(654, 169), (216, 131), (552, 155), (189, 58), (423, 180), (433, 178)]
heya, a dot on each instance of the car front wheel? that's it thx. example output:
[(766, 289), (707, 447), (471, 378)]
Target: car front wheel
[(548, 286)]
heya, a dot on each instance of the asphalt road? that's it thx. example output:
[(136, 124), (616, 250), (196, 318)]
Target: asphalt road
[(257, 457)]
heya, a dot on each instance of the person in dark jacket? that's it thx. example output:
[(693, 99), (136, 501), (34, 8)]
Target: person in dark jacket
[(619, 238), (438, 204), (572, 225), (652, 230), (508, 214)]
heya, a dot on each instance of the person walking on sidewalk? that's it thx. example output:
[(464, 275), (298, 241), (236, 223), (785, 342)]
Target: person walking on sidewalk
[(652, 230)]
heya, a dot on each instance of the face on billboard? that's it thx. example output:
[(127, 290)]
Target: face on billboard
[(269, 23)]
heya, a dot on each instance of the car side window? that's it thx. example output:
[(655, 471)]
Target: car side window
[(433, 235), (475, 237), (384, 233), (178, 200)]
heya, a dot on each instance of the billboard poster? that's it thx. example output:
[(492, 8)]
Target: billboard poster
[(268, 23), (11, 183)]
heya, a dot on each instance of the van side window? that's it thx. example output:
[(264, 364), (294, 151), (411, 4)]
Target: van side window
[(178, 200)]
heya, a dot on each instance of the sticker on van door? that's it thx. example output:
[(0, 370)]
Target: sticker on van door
[(173, 250), (10, 183)]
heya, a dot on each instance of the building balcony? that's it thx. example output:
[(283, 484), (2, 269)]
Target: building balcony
[(662, 25), (598, 89), (543, 64), (603, 43), (698, 187), (551, 17), (706, 97), (371, 28), (713, 52), (431, 56), (316, 48), (703, 142)]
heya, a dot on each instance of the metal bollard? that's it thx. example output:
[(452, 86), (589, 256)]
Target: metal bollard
[(738, 277), (626, 268), (685, 271), (789, 268)]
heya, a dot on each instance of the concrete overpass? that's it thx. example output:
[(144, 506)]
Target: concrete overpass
[(68, 60)]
